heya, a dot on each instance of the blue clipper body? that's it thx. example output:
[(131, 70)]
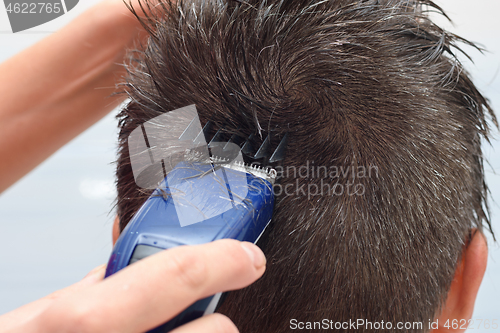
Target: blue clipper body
[(195, 204)]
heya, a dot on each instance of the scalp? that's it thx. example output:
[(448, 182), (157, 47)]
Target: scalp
[(355, 84)]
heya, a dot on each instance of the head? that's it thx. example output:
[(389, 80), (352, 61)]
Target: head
[(382, 188)]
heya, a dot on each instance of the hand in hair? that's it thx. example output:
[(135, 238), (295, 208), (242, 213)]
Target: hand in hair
[(54, 90)]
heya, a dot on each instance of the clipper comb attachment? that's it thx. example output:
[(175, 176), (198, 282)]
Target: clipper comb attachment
[(208, 183), (158, 145), (267, 152)]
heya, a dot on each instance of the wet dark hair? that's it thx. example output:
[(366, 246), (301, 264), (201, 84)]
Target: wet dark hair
[(358, 85)]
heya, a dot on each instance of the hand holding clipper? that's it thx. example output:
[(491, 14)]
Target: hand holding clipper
[(203, 198)]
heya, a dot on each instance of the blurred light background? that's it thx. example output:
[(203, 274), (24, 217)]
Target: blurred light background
[(55, 223)]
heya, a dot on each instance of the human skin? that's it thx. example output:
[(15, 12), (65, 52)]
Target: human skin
[(67, 101), (52, 92), (146, 294), (461, 298)]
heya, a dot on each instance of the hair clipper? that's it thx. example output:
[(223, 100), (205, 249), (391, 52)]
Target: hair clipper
[(200, 202)]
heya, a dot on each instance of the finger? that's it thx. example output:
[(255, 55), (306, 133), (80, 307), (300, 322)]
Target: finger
[(94, 276), (214, 323), (155, 289), (24, 314)]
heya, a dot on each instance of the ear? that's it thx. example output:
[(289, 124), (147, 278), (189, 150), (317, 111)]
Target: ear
[(462, 294), (116, 229)]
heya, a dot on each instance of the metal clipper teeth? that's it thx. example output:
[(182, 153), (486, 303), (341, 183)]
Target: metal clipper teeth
[(268, 174)]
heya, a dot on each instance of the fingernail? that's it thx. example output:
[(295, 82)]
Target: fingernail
[(96, 273), (256, 255)]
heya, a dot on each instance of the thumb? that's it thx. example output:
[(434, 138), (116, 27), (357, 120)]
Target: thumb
[(94, 276)]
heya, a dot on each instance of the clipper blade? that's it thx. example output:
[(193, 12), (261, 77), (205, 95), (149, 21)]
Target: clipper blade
[(267, 173), (158, 145)]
